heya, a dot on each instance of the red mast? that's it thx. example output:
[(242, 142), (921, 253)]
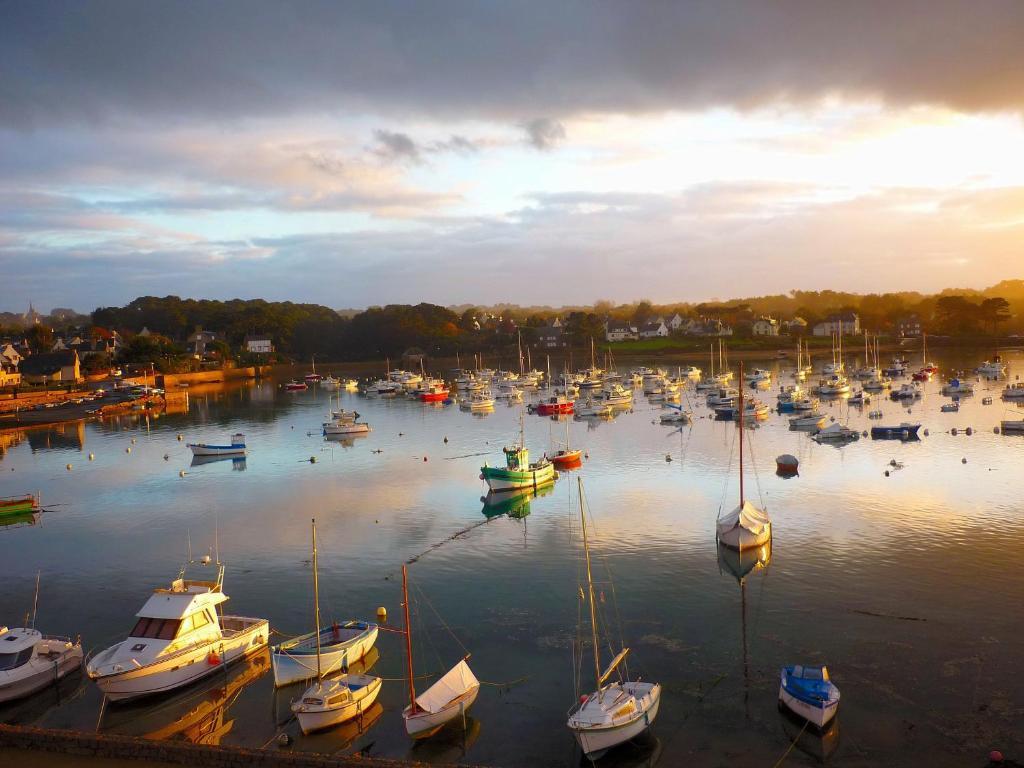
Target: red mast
[(741, 434), (408, 639)]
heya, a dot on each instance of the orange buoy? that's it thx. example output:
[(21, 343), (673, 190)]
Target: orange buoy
[(212, 659)]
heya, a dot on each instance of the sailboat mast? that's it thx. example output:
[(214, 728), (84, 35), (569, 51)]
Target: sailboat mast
[(741, 434), (712, 360), (408, 638), (590, 593), (316, 603)]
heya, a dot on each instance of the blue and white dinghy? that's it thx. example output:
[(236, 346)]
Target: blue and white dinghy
[(340, 646), (809, 693), (237, 447)]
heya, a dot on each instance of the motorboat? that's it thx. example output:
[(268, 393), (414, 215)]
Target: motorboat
[(953, 407), (589, 407), (903, 431), (1014, 391), (31, 661), (296, 386), (752, 409), (897, 367), (809, 693), (723, 396), (235, 448), (836, 384), (478, 401), (691, 372), (345, 423), (675, 415), (435, 391), (807, 421), (1012, 425), (327, 702), (991, 368), (758, 375), (614, 394), (907, 391), (877, 383), (351, 385), (330, 384), (617, 711), (806, 404), (861, 397), (957, 387), (509, 391), (179, 638), (554, 405), (836, 432)]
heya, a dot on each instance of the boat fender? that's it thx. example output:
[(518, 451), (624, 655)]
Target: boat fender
[(283, 740), (212, 658)]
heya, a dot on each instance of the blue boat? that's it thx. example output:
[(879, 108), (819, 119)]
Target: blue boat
[(809, 693), (904, 431)]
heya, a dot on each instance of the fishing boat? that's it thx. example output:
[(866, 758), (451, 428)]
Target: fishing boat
[(615, 395), (1014, 391), (904, 431), (12, 506), (957, 387), (567, 457), (296, 386), (746, 527), (836, 433), (436, 391), (805, 404), (327, 702), (809, 693), (617, 711), (554, 405), (236, 447), (478, 401), (518, 472), (788, 396), (751, 408), (179, 638), (448, 698)]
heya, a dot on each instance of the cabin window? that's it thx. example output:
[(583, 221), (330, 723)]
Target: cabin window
[(15, 660), (156, 629), (193, 622)]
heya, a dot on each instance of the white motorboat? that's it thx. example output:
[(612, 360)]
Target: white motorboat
[(806, 404), (722, 397), (836, 384), (351, 385), (589, 407), (877, 383), (615, 394), (808, 420), (861, 397), (330, 383), (758, 375), (895, 368), (675, 415), (447, 699), (691, 372), (910, 390), (1014, 391), (478, 401), (991, 368), (179, 638), (617, 711), (809, 693), (746, 527), (236, 447), (31, 661), (836, 432), (327, 703), (345, 423)]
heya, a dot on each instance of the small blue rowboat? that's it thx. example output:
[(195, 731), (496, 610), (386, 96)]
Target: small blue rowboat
[(237, 447), (809, 693), (904, 431)]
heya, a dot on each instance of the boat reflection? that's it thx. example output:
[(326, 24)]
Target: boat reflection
[(642, 752), (820, 745), (449, 745), (345, 441), (515, 504), (237, 462), (32, 710), (198, 715), (10, 522)]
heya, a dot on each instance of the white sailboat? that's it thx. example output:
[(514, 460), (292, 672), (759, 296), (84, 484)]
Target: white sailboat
[(446, 699), (618, 711), (331, 702), (746, 527)]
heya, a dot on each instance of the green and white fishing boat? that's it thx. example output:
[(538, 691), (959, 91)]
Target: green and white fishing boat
[(518, 472), (20, 505)]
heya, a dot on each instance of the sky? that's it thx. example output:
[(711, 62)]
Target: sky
[(355, 153)]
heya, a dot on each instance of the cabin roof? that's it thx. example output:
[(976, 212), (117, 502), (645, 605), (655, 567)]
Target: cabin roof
[(17, 640), (182, 599)]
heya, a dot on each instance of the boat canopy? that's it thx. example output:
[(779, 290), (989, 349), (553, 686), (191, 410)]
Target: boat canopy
[(182, 599), (456, 682), (17, 640), (747, 516)]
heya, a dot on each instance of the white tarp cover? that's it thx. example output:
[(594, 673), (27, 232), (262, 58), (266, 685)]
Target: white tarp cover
[(749, 517), (459, 679)]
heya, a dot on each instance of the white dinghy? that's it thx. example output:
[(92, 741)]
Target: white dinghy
[(617, 711), (236, 448), (446, 699), (746, 527), (327, 703)]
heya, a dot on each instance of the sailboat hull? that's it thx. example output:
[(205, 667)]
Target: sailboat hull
[(741, 538), (295, 661), (315, 715), (423, 724), (596, 740)]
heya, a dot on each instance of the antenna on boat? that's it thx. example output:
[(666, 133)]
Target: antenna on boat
[(35, 603), (741, 436), (590, 592)]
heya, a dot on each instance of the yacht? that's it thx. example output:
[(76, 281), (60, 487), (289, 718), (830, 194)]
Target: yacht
[(179, 638), (836, 384), (31, 661), (991, 368)]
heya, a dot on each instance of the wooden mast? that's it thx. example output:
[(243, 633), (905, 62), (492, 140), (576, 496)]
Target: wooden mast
[(741, 436), (590, 591), (316, 602), (408, 640)]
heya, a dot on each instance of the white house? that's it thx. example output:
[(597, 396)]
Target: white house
[(10, 354), (796, 325), (653, 330), (846, 324), (766, 326), (676, 322), (618, 330), (258, 344)]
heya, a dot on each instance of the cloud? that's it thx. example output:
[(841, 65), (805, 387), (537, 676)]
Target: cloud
[(65, 60), (396, 147), (544, 132)]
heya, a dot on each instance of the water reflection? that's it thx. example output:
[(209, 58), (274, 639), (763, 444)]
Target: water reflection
[(515, 504), (199, 715), (820, 745), (237, 462), (740, 564)]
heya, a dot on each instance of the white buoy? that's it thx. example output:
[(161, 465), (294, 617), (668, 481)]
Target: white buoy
[(128, 449), (181, 473), (179, 438), (91, 457), (69, 467)]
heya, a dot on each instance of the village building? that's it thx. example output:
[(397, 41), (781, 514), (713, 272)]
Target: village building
[(845, 324), (258, 344), (653, 330), (619, 330), (51, 367), (765, 326)]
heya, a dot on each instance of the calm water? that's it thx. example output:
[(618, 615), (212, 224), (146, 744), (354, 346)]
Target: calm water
[(907, 586)]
